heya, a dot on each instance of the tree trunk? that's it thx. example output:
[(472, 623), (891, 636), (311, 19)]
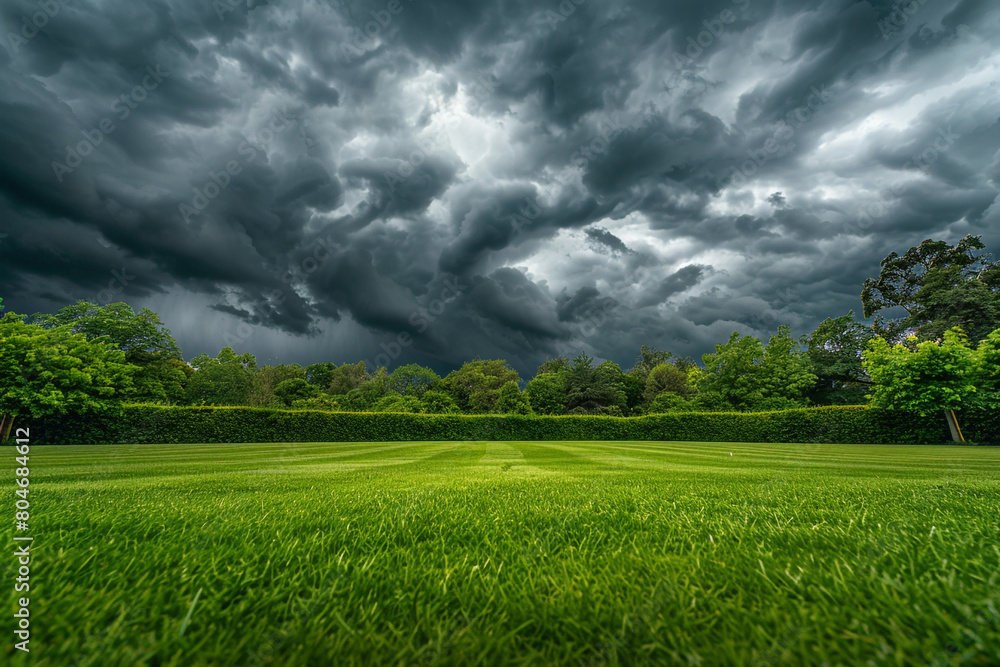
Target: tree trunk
[(8, 421), (956, 430)]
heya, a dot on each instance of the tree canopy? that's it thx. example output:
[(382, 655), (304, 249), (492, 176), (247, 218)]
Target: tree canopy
[(926, 377), (938, 286), (835, 350), (475, 387), (160, 375), (224, 380), (53, 371)]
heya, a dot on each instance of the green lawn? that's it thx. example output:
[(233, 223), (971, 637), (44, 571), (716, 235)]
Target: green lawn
[(511, 553)]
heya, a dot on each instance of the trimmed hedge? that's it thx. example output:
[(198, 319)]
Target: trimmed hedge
[(837, 424)]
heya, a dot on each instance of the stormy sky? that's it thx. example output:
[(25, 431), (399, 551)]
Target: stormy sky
[(434, 181)]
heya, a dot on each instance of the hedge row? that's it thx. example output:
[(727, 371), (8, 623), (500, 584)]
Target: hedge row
[(841, 424)]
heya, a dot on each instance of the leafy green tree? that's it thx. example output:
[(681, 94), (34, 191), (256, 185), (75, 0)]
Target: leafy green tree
[(141, 336), (665, 378), (930, 376), (146, 343), (398, 403), (732, 374), (685, 364), (939, 286), (954, 296), (987, 372), (556, 365), (835, 350), (594, 390), (925, 378), (413, 379), (668, 401), (634, 392), (475, 387), (366, 395), (295, 389), (227, 356), (635, 380), (220, 384), (348, 377), (224, 380), (267, 379), (512, 401), (712, 401), (786, 371), (744, 374), (774, 403), (321, 375), (437, 402), (52, 372), (611, 385), (649, 358), (546, 393)]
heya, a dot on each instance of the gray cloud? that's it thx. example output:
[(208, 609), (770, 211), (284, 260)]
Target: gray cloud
[(317, 174)]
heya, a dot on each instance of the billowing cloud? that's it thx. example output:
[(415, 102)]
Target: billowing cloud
[(322, 180)]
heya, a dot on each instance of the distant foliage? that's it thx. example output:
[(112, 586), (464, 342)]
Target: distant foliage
[(944, 355), (512, 401)]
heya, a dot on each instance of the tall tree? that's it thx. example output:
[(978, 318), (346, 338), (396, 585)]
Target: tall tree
[(475, 387), (835, 349), (347, 377), (648, 359), (398, 403), (553, 366), (732, 374), (939, 286), (512, 401), (437, 402), (744, 374), (546, 393), (987, 372), (636, 379), (321, 374), (665, 378), (141, 335), (786, 370), (924, 377), (413, 380), (594, 390), (294, 389), (267, 379), (48, 372), (227, 356), (224, 380), (220, 384), (372, 389)]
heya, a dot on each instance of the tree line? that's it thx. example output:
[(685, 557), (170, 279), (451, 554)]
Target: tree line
[(942, 352)]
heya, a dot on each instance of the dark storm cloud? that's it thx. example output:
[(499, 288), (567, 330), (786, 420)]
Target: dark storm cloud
[(585, 302), (401, 186), (603, 237), (502, 179), (680, 281)]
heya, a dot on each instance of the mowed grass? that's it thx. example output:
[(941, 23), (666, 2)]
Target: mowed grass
[(480, 553)]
